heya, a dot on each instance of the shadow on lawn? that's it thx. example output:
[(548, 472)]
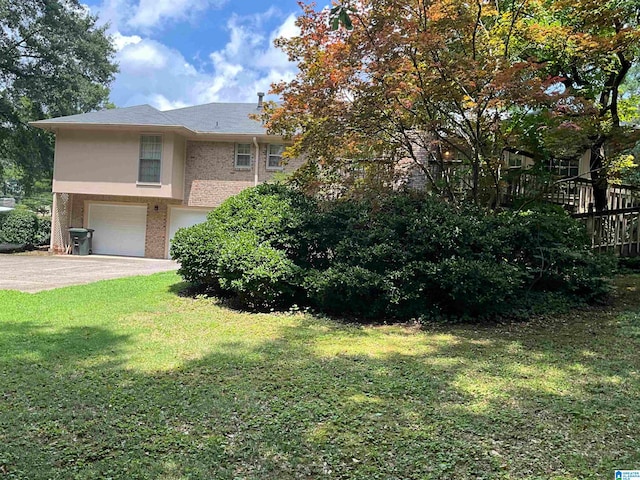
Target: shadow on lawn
[(36, 342), (325, 401)]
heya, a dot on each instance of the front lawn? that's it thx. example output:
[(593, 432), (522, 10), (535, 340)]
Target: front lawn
[(126, 380)]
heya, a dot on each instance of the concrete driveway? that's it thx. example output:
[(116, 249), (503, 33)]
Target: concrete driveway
[(33, 273)]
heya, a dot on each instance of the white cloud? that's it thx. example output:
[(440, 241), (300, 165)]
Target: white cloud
[(288, 29), (274, 57), (249, 62), (146, 15), (120, 41), (113, 12), (150, 13), (162, 103), (144, 57), (155, 73)]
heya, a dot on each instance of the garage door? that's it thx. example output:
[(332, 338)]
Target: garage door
[(184, 217), (119, 229)]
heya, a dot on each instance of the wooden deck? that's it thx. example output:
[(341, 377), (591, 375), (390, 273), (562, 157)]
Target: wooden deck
[(615, 230), (575, 195)]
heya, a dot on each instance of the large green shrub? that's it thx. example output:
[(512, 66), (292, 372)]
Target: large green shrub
[(3, 216), (259, 274), (248, 247), (43, 236), (553, 250), (19, 227), (349, 290), (397, 256)]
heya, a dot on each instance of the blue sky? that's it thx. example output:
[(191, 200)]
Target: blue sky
[(175, 53)]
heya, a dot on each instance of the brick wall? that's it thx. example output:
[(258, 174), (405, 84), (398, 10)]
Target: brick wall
[(211, 176), (60, 222), (155, 240)]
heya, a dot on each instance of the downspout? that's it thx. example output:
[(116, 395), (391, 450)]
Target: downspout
[(54, 219), (255, 177)]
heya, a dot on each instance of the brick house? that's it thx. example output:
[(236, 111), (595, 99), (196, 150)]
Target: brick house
[(135, 175)]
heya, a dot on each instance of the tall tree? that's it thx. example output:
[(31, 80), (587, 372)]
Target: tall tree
[(591, 46), (54, 61), (415, 75)]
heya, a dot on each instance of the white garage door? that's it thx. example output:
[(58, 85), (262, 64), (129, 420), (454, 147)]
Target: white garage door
[(184, 217), (119, 229)]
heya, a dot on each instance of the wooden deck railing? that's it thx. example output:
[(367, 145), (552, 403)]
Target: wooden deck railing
[(616, 230), (576, 195)]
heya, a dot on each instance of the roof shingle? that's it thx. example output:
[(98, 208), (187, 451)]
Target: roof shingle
[(138, 115), (224, 118), (219, 118)]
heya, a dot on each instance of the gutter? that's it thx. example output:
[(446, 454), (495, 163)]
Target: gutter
[(257, 162), (55, 126)]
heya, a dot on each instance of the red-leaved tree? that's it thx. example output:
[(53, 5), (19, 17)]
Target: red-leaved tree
[(413, 79)]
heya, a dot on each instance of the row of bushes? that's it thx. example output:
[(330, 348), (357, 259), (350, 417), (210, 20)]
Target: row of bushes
[(402, 256), (21, 227)]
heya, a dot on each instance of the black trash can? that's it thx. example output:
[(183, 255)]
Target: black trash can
[(81, 241)]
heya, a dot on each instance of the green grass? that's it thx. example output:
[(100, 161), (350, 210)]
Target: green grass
[(126, 380)]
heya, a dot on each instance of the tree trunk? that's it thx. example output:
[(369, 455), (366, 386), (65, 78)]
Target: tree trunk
[(475, 187), (599, 181)]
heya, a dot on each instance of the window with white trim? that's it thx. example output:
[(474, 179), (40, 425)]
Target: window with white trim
[(274, 157), (243, 155), (515, 160), (150, 159), (564, 168)]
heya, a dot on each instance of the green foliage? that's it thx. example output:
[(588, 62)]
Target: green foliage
[(340, 15), (625, 264), (246, 247), (396, 256), (197, 249), (472, 288), (55, 61), (349, 290), (630, 174), (20, 227), (40, 202), (554, 252), (161, 386), (43, 235), (262, 276)]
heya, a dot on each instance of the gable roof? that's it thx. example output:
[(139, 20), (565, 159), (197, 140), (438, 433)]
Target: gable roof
[(219, 118), (139, 115), (222, 118)]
